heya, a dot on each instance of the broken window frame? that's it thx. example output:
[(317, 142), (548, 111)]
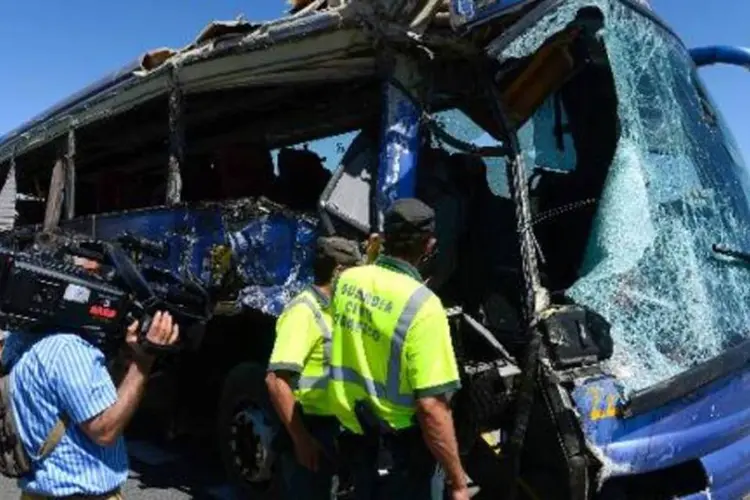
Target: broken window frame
[(60, 203), (69, 145)]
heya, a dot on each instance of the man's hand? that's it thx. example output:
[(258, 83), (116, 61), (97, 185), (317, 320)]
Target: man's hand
[(436, 422), (162, 332), (307, 450), (105, 428), (459, 492)]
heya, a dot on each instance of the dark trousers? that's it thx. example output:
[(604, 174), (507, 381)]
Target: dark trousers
[(412, 471), (299, 482)]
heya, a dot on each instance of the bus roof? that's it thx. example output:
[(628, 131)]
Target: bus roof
[(229, 54), (147, 77), (101, 85)]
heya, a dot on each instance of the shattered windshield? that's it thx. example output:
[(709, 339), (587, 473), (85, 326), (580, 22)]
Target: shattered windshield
[(675, 185)]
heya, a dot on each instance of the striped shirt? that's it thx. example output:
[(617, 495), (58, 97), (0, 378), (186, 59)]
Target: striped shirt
[(65, 374)]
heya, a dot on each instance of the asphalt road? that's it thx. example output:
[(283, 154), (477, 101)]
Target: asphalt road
[(163, 472), (188, 469)]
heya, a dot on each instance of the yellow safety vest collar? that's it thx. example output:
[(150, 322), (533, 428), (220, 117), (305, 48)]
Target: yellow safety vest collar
[(399, 266)]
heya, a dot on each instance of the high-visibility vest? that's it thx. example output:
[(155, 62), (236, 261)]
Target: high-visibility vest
[(376, 310), (303, 345)]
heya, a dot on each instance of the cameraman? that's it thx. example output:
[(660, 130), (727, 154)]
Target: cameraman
[(63, 377)]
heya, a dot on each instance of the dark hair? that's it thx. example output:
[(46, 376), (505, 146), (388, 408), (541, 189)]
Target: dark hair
[(323, 267), (407, 247)]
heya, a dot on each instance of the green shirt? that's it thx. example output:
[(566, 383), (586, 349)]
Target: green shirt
[(302, 347)]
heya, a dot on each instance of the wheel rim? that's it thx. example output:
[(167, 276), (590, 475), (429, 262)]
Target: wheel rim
[(249, 444)]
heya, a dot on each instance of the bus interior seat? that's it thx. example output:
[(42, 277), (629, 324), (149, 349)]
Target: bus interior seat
[(472, 241), (109, 191), (302, 178), (438, 185), (476, 234), (490, 264), (245, 171), (491, 217), (591, 107), (433, 174), (474, 174)]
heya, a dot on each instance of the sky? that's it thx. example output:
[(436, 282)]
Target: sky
[(54, 48)]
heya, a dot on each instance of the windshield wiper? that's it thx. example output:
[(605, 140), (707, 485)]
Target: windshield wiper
[(729, 252)]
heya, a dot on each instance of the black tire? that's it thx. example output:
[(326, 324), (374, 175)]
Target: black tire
[(244, 388)]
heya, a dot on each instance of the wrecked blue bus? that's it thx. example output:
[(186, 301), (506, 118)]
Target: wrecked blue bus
[(593, 220)]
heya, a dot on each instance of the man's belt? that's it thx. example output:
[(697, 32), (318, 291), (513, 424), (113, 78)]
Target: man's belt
[(381, 438)]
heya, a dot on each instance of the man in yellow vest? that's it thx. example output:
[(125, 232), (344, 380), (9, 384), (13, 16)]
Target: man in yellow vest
[(298, 374), (393, 368)]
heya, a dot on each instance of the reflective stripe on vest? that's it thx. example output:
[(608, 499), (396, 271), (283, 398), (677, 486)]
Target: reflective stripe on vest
[(390, 391), (319, 382)]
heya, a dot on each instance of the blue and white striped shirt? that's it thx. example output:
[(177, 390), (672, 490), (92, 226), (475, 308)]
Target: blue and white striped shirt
[(64, 374)]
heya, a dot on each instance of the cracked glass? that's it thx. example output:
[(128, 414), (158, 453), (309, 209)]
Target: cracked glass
[(677, 185)]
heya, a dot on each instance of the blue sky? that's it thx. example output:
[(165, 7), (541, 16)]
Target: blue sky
[(54, 48)]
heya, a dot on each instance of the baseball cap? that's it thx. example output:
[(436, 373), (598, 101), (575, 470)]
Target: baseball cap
[(342, 250), (409, 216)]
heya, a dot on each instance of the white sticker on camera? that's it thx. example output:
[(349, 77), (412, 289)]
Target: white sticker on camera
[(77, 293)]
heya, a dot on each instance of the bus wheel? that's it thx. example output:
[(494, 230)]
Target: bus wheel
[(245, 433)]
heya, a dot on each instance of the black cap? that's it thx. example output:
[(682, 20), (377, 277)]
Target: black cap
[(409, 216), (344, 252)]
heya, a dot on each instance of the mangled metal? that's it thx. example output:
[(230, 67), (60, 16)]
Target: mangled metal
[(70, 175), (176, 140), (272, 253), (8, 196)]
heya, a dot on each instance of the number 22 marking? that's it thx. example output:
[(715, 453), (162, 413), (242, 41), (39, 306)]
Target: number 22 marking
[(597, 412)]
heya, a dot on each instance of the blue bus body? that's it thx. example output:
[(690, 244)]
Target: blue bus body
[(272, 252), (711, 425)]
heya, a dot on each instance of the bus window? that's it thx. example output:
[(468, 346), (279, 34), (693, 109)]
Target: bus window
[(232, 171), (305, 169)]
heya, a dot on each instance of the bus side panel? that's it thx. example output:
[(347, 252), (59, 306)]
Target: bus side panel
[(711, 425), (271, 251), (190, 234), (274, 255)]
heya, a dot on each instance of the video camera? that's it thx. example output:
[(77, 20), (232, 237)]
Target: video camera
[(43, 290)]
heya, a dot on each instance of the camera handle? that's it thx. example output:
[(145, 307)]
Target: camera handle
[(144, 323), (148, 302)]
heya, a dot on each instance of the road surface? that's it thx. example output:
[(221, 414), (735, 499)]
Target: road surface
[(184, 470)]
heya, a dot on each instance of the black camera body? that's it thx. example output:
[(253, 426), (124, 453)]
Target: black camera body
[(42, 290), (38, 296)]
